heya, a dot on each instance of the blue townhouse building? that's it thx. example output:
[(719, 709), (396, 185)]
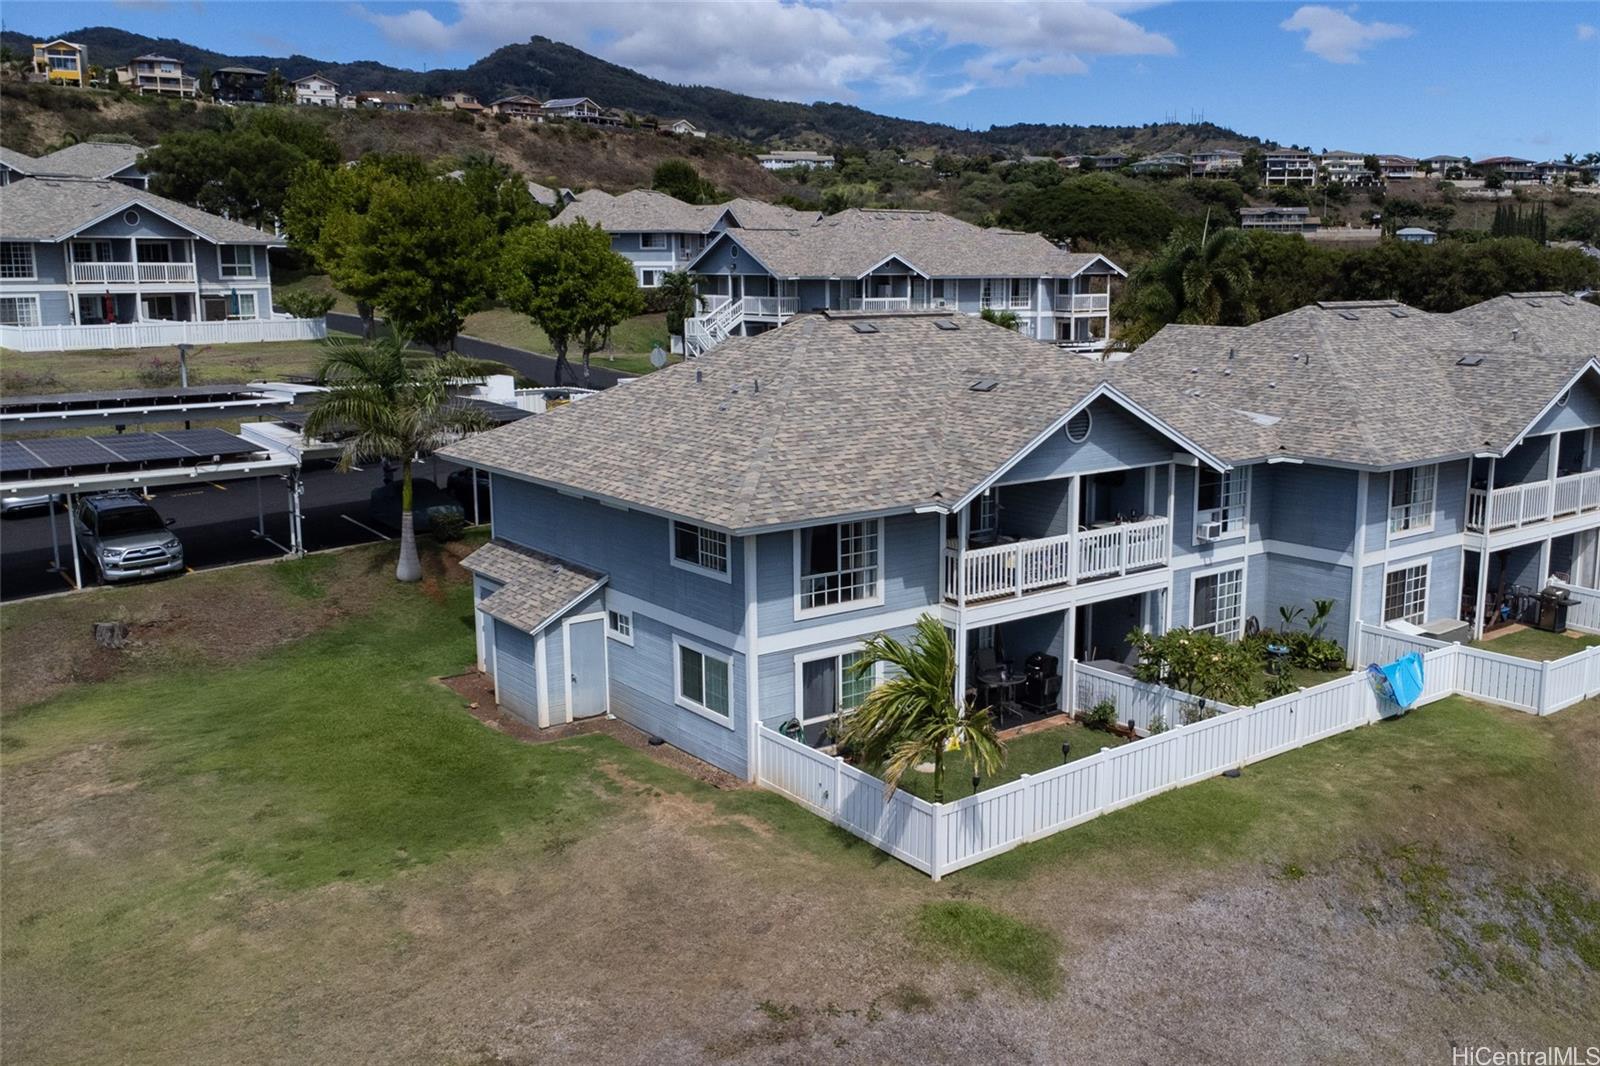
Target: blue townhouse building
[(740, 525)]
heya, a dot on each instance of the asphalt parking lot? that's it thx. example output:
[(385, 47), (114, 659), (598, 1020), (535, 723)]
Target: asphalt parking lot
[(216, 522)]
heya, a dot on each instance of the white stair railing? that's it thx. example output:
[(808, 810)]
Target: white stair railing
[(705, 332)]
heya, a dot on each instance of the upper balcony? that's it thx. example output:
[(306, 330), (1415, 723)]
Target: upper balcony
[(1025, 566), (1084, 302), (1515, 506), (132, 273)]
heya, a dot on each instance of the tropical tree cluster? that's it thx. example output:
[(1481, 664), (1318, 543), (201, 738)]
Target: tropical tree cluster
[(244, 169), (1231, 277)]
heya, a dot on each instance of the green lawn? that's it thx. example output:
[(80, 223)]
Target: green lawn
[(27, 373), (1030, 754), (1537, 644)]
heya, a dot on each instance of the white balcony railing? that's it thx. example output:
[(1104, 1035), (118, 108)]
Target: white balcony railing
[(1002, 302), (771, 306), (129, 273), (1030, 565), (1538, 501), (879, 303), (1084, 302), (159, 334)]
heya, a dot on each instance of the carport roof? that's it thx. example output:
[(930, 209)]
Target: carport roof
[(536, 589)]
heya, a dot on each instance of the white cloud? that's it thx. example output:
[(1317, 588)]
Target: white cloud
[(1337, 37), (1586, 32), (797, 51)]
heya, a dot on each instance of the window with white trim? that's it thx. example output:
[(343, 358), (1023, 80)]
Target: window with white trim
[(830, 688), (650, 279), (1222, 499), (652, 242), (1405, 594), (619, 624), (1411, 495), (92, 252), (703, 682), (838, 564), (1218, 603), (699, 547), (16, 259), (986, 515), (19, 310), (238, 260), (242, 305)]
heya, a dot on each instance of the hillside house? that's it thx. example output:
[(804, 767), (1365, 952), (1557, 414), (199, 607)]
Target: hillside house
[(316, 90), (239, 85), (1288, 166), (61, 62), (790, 160), (460, 100), (518, 108), (153, 75), (1279, 219)]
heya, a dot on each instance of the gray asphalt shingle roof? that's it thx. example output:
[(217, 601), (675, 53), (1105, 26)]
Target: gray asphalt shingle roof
[(535, 588), (22, 164), (88, 159), (851, 243), (804, 422), (1368, 383), (816, 421), (648, 211), (44, 209)]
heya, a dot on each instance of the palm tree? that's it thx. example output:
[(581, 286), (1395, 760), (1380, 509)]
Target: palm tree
[(680, 295), (1006, 319), (396, 404), (1201, 280), (913, 717)]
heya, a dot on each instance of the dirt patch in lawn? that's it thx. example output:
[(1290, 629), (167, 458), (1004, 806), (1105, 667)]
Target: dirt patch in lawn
[(477, 694), (214, 618)]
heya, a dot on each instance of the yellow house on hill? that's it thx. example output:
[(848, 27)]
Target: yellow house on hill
[(62, 62)]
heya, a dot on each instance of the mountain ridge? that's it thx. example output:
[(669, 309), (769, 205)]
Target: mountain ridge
[(546, 68)]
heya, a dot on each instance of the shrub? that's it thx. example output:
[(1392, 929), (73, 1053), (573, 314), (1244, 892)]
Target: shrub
[(446, 524), (158, 373), (307, 304), (1102, 715), (1201, 664)]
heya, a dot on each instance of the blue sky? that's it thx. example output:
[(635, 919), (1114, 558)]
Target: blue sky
[(1421, 78)]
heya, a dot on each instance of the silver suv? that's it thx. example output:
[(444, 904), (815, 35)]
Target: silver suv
[(123, 537)]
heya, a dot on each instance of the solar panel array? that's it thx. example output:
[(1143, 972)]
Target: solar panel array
[(63, 402), (57, 456)]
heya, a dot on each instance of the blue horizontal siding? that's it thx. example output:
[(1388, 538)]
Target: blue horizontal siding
[(1116, 439), (517, 676), (642, 695), (911, 556)]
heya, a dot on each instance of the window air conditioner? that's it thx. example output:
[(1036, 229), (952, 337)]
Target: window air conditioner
[(1209, 530)]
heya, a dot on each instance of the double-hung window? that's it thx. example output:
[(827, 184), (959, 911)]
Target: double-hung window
[(16, 260), (1222, 502), (1411, 495), (703, 683), (238, 260), (652, 242), (1405, 594), (1218, 603), (839, 565), (698, 548)]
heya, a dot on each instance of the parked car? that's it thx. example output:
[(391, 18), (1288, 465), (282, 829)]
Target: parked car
[(459, 484), (427, 499), (14, 505), (123, 537)]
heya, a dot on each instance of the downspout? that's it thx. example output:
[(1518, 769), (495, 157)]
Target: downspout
[(1358, 553), (752, 665)]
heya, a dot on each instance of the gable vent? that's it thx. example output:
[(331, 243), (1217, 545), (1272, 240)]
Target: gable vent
[(1078, 427), (863, 327)]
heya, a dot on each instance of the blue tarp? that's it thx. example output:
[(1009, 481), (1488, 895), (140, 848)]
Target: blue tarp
[(1403, 679)]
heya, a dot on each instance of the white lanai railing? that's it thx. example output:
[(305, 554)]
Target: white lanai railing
[(1029, 565)]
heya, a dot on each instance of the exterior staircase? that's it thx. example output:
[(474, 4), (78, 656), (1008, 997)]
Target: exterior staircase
[(704, 332)]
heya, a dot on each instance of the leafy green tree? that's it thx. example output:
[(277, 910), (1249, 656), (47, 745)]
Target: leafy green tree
[(499, 193), (913, 716), (243, 170), (1095, 208), (394, 405), (1190, 280), (678, 177), (276, 90), (432, 253), (680, 297), (307, 304), (569, 282)]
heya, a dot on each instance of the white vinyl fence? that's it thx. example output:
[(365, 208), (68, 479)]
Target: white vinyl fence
[(159, 334), (1524, 684), (1585, 616), (939, 838)]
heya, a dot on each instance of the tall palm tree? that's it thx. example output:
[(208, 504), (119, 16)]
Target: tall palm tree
[(395, 404), (1202, 280), (913, 717)]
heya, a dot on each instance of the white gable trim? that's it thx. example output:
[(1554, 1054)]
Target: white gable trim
[(1572, 382), (1109, 393), (729, 235), (894, 255), (1099, 259)]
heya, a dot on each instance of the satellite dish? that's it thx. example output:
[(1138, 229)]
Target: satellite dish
[(658, 358)]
